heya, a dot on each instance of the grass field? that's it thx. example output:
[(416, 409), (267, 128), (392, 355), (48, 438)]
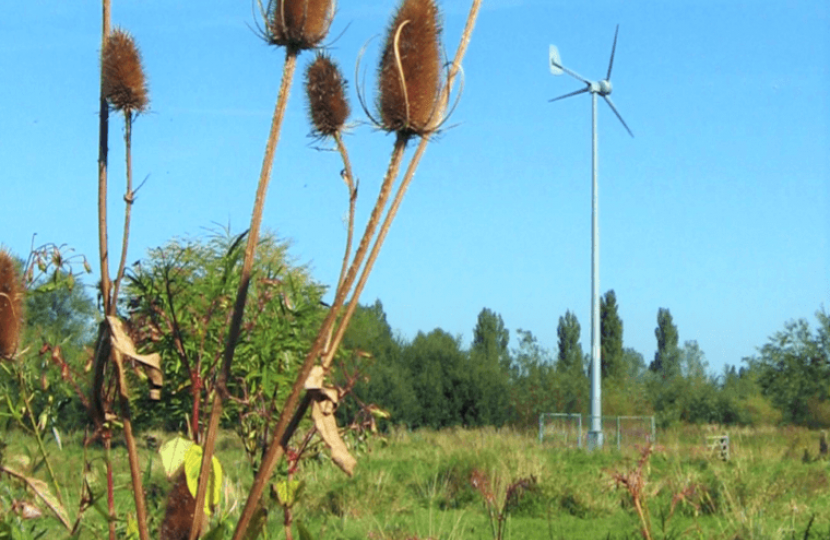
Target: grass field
[(456, 484)]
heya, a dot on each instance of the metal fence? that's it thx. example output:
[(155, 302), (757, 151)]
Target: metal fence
[(571, 430)]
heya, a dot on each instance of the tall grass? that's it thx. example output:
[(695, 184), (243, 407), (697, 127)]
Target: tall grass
[(417, 485)]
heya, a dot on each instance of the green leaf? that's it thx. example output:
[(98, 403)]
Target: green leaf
[(132, 527), (288, 491), (172, 454), (192, 467)]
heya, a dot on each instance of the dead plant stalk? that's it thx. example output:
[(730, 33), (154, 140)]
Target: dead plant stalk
[(242, 294)]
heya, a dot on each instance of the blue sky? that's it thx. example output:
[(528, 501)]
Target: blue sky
[(719, 209)]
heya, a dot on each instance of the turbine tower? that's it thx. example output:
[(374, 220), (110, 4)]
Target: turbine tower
[(600, 88)]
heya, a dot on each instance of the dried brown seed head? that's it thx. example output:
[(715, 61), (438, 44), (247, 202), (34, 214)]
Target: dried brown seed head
[(298, 24), (409, 79), (326, 91), (11, 305), (124, 84)]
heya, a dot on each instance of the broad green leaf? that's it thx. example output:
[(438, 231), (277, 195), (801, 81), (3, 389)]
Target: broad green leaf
[(132, 527), (172, 454), (192, 466), (287, 492)]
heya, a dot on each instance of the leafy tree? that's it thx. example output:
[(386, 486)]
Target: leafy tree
[(667, 358), (369, 331), (437, 368), (490, 338), (386, 381), (62, 316), (535, 387), (570, 365), (489, 371), (794, 370), (633, 363), (696, 392), (611, 337), (180, 301), (569, 359)]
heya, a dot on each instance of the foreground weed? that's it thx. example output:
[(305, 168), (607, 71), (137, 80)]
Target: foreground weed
[(499, 499), (635, 481)]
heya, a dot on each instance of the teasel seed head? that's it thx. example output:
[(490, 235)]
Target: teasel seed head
[(125, 87), (326, 91), (297, 24), (11, 306), (409, 78)]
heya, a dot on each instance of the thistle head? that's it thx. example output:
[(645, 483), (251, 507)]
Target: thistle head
[(326, 91), (409, 76), (11, 306), (297, 24), (125, 87)]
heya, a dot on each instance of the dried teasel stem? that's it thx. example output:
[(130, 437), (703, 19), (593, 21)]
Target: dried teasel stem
[(285, 427), (244, 282), (11, 306), (328, 111), (409, 174), (103, 136), (348, 177), (124, 86)]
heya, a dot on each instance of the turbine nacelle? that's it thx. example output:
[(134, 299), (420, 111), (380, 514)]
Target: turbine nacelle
[(602, 88)]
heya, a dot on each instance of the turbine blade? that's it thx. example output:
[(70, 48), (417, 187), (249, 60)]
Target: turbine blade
[(569, 95), (573, 74), (613, 49), (613, 108)]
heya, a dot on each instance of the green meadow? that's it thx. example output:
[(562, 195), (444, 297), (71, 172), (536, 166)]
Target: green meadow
[(485, 483)]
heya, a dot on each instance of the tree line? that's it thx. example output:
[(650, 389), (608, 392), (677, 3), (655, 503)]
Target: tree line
[(177, 301), (433, 381)]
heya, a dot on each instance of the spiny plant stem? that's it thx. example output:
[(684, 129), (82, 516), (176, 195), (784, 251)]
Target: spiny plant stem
[(103, 135), (244, 282), (128, 204), (410, 173), (281, 433), (350, 183)]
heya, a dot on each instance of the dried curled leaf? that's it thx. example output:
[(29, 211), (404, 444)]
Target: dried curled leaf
[(122, 343), (42, 491), (322, 412)]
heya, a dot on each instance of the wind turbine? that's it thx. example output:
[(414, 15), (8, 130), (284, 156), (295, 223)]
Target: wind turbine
[(599, 88)]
